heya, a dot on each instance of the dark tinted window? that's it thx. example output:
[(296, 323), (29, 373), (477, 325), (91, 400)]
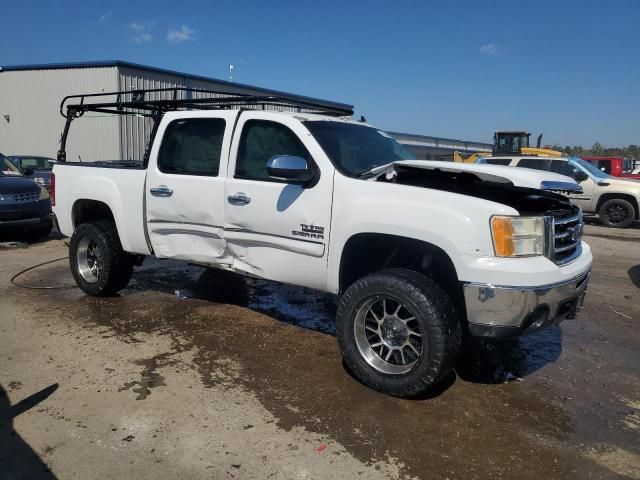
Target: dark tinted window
[(563, 168), (538, 164), (262, 140), (497, 161), (605, 166), (192, 147)]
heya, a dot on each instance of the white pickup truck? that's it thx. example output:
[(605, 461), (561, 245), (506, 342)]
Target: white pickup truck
[(419, 252)]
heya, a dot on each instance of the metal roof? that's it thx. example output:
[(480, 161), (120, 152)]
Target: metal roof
[(137, 66)]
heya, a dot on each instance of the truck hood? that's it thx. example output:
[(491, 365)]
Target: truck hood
[(519, 177), (524, 190)]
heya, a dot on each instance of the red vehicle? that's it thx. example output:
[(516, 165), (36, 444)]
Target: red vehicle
[(614, 166)]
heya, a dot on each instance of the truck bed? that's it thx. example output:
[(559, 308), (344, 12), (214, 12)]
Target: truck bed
[(118, 185)]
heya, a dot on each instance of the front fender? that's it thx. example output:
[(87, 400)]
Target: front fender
[(457, 224)]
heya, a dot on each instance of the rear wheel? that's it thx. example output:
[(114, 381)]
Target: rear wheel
[(398, 332), (98, 263), (617, 213)]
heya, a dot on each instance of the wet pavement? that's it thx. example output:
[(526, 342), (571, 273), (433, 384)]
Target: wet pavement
[(563, 403)]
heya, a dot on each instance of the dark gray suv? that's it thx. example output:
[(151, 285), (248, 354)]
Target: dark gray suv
[(25, 207)]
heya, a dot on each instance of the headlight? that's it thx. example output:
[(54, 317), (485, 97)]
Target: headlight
[(518, 236), (44, 193)]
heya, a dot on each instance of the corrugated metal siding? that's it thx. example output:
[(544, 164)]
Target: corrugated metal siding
[(134, 130), (31, 100)]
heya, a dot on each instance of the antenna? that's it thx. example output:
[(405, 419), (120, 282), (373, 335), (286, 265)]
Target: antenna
[(231, 72)]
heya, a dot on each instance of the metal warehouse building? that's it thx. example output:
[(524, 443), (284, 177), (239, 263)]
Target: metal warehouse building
[(30, 95), (31, 124)]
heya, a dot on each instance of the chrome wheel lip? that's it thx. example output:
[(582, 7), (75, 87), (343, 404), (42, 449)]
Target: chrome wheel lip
[(88, 260), (372, 357)]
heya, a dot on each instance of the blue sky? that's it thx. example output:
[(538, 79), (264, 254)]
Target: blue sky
[(569, 69)]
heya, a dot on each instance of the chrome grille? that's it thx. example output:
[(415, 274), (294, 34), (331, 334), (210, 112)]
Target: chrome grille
[(565, 236), (19, 198)]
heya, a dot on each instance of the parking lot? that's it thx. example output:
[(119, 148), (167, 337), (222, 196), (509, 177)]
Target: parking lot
[(192, 373)]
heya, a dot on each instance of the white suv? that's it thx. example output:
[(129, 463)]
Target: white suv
[(614, 200)]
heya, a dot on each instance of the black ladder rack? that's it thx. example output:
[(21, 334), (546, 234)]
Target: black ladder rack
[(143, 103)]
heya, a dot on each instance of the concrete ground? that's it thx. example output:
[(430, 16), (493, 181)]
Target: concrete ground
[(197, 374)]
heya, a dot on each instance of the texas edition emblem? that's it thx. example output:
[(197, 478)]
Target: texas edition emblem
[(315, 232)]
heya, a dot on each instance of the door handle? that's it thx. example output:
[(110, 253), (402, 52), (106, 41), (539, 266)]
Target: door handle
[(161, 191), (239, 199)]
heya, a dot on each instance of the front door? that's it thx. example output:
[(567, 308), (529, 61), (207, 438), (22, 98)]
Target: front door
[(277, 230), (184, 191)]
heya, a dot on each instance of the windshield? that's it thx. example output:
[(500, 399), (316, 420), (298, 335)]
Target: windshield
[(35, 163), (355, 149), (7, 168), (589, 167)]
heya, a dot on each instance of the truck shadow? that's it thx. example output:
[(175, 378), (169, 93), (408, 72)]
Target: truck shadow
[(501, 361), (634, 275), (17, 458), (298, 306)]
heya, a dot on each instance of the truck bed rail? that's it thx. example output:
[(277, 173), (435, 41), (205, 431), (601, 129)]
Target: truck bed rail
[(154, 103)]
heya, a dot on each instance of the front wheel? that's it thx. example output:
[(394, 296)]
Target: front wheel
[(398, 332), (617, 213), (98, 263)]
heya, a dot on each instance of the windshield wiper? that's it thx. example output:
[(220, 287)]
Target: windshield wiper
[(374, 171)]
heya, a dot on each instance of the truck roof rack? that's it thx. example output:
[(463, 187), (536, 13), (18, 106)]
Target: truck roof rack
[(154, 103)]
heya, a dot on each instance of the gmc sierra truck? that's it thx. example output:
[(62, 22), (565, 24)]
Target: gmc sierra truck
[(420, 252)]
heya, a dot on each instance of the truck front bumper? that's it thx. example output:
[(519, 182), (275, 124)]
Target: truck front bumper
[(507, 311)]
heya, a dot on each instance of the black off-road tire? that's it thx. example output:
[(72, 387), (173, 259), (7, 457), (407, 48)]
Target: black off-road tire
[(610, 213), (117, 265), (437, 319)]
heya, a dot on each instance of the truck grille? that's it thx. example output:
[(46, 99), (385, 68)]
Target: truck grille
[(565, 236), (12, 199)]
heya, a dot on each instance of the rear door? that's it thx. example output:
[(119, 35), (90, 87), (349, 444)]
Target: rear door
[(277, 230), (185, 186)]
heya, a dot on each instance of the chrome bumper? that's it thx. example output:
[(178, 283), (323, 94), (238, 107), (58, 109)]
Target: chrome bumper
[(503, 311)]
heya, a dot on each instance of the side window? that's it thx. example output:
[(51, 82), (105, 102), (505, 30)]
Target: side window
[(563, 168), (498, 161), (604, 166), (535, 163), (262, 140), (192, 147)]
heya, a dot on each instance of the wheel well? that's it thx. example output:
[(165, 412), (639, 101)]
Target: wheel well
[(87, 211), (610, 196), (366, 253)]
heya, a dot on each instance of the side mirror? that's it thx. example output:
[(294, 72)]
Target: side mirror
[(27, 172), (290, 168), (580, 176)]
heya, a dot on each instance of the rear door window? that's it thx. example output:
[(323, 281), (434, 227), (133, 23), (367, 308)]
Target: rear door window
[(497, 161), (192, 147), (536, 163)]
